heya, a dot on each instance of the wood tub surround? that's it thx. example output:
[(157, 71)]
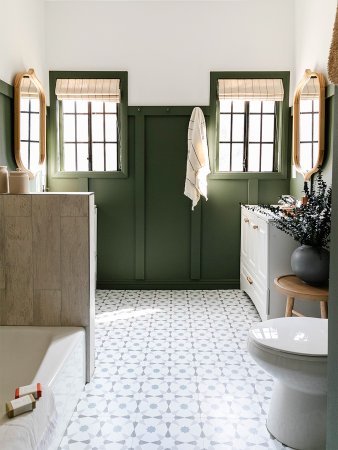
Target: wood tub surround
[(47, 268)]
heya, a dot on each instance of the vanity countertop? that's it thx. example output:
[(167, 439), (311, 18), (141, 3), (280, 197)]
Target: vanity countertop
[(267, 216)]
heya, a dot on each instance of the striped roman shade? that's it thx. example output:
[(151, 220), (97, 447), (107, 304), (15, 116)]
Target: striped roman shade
[(28, 88), (88, 89), (311, 89), (251, 89)]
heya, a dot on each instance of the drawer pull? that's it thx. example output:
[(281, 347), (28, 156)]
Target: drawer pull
[(255, 227), (250, 281), (246, 220)]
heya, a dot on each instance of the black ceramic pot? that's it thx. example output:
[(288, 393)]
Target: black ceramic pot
[(311, 264)]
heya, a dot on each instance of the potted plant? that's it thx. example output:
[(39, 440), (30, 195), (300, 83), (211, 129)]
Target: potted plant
[(309, 224)]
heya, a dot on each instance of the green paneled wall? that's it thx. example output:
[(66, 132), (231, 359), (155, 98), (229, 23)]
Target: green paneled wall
[(220, 231), (167, 215), (115, 200), (6, 126), (332, 411), (148, 237)]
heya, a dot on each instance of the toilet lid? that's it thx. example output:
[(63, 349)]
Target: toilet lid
[(299, 335)]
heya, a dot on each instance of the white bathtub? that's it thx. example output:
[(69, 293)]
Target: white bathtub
[(52, 356)]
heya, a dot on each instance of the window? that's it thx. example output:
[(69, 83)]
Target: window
[(251, 123), (247, 136), (89, 134), (88, 124)]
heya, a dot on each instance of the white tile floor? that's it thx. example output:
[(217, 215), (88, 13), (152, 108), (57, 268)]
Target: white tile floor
[(173, 373)]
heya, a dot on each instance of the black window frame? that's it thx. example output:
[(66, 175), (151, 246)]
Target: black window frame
[(55, 160), (29, 141), (246, 136), (89, 140), (282, 151), (314, 144)]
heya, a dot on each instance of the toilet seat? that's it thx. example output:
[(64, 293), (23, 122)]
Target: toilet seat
[(306, 336)]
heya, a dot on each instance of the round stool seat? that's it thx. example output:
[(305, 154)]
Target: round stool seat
[(293, 287)]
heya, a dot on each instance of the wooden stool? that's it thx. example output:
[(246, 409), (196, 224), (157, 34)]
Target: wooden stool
[(292, 286)]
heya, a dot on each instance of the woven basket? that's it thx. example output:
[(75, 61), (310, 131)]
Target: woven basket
[(333, 55)]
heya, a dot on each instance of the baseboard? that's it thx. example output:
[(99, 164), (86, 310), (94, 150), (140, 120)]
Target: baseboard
[(169, 285)]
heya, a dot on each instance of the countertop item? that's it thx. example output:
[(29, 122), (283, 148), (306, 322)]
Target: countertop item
[(18, 182), (3, 180)]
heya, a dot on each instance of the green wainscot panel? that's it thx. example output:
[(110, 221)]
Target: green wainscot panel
[(220, 250), (68, 184), (114, 199), (270, 191), (6, 128), (167, 210)]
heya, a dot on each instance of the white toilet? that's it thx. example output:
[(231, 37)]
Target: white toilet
[(294, 351)]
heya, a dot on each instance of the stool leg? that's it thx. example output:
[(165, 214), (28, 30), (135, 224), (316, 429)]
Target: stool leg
[(289, 306), (323, 310)]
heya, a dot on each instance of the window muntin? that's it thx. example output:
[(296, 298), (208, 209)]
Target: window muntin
[(89, 132), (30, 132), (308, 132), (247, 135)]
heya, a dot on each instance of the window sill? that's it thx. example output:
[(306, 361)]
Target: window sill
[(247, 176), (117, 174)]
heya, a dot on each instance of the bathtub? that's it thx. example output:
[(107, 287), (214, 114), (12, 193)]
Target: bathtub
[(54, 357)]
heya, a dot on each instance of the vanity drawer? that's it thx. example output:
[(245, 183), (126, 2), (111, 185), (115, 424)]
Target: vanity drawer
[(258, 293)]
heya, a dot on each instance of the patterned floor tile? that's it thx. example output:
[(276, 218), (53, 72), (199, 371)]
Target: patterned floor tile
[(173, 373)]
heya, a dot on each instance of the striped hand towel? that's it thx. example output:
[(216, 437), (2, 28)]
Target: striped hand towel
[(198, 158)]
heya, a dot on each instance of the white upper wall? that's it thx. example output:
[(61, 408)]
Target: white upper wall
[(22, 39), (169, 48), (314, 21)]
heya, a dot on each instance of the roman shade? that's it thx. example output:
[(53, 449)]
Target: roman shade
[(311, 89), (28, 89), (107, 90), (251, 89)]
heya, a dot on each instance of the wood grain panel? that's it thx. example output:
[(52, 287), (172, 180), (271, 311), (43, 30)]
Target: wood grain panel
[(17, 205), (74, 205), (2, 246), (18, 308), (92, 287), (46, 241), (75, 271), (2, 277), (18, 242), (47, 307), (2, 306)]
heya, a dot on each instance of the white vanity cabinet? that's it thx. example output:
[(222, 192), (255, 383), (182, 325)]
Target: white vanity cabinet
[(265, 255)]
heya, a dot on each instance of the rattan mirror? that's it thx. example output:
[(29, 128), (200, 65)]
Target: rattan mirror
[(29, 123), (308, 124)]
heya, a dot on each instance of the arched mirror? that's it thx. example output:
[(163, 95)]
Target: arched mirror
[(308, 124), (29, 123)]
